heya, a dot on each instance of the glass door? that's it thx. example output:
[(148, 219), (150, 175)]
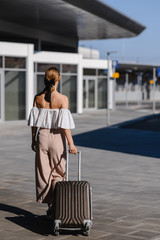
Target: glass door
[(89, 93), (1, 96)]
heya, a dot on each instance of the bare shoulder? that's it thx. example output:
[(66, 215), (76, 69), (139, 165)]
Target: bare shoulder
[(65, 98), (64, 101), (38, 99), (35, 101)]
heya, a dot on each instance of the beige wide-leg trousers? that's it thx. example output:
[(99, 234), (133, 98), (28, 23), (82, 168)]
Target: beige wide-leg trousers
[(50, 162)]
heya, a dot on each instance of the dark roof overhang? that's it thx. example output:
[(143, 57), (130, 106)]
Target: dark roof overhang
[(103, 20), (64, 21)]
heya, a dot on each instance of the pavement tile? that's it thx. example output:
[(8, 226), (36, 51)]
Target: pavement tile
[(145, 234), (94, 234), (152, 221), (126, 203), (104, 220), (113, 229), (136, 219), (10, 226), (16, 236), (152, 227), (127, 224), (60, 237), (118, 237), (76, 237), (5, 235)]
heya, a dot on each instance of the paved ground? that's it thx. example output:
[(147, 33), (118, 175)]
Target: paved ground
[(122, 165)]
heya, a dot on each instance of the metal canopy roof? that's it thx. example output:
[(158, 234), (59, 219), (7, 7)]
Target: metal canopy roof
[(135, 67), (72, 19), (100, 21)]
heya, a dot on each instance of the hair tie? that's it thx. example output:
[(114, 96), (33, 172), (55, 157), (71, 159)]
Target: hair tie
[(48, 84)]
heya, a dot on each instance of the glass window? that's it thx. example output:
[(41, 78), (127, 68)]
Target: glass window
[(66, 68), (15, 62), (89, 72), (69, 88), (102, 93), (0, 62), (40, 83), (35, 66), (42, 67), (15, 95), (0, 96), (84, 94), (91, 93), (102, 72)]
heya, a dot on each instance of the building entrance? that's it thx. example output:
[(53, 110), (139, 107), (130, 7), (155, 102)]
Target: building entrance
[(89, 93)]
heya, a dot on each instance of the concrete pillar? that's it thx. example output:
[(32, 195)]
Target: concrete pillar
[(111, 87), (29, 79), (80, 86)]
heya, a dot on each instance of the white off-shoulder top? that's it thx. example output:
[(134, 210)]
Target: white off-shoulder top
[(51, 118)]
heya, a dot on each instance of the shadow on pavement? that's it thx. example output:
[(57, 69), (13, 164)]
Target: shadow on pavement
[(34, 223), (148, 123), (27, 220), (120, 139)]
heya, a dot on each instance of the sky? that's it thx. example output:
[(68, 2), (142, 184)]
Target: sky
[(144, 48)]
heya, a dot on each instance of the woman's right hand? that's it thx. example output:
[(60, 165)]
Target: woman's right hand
[(72, 149), (33, 145)]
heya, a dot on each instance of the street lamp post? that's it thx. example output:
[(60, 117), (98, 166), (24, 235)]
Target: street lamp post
[(108, 81), (126, 87), (154, 88)]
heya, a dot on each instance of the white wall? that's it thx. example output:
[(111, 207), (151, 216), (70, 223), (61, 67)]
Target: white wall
[(56, 57), (94, 63), (89, 53), (14, 49)]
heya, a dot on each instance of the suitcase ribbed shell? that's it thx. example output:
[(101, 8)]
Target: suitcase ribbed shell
[(73, 203)]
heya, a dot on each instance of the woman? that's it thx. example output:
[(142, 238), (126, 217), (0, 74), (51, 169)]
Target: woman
[(51, 115)]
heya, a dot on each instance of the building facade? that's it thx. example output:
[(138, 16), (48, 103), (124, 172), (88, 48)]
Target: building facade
[(22, 71), (37, 34)]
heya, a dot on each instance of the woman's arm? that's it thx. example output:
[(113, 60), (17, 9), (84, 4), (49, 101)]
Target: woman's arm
[(34, 131), (33, 145), (72, 148)]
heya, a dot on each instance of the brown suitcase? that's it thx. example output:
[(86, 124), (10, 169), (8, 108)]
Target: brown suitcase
[(73, 204)]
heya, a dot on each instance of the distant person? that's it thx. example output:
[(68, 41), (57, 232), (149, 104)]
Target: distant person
[(51, 115)]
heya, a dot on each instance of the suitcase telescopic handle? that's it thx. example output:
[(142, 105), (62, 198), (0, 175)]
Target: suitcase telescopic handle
[(79, 165)]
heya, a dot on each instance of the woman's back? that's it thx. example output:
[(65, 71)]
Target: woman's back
[(57, 101)]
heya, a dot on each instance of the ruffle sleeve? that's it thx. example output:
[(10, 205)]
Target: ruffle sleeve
[(51, 118), (33, 117), (65, 119)]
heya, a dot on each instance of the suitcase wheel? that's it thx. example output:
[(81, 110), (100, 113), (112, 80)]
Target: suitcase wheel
[(55, 227), (56, 233), (86, 233), (87, 227)]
